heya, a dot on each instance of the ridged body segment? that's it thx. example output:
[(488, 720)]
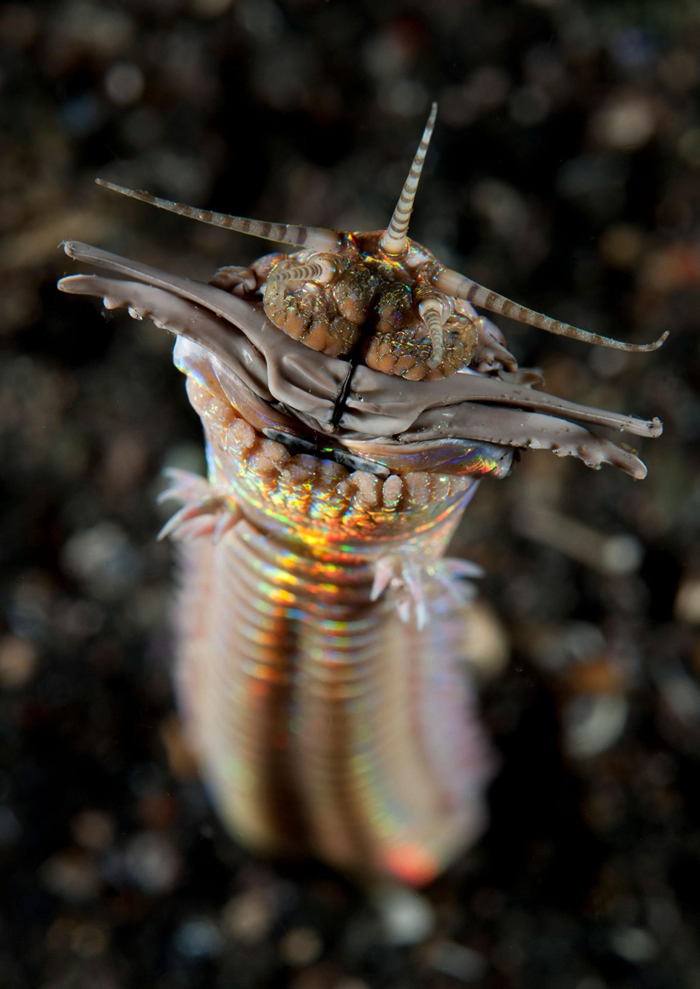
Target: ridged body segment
[(325, 724)]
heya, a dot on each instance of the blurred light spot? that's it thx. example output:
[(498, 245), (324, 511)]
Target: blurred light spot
[(300, 947), (388, 53), (71, 876), (93, 829), (406, 916), (18, 659), (124, 83), (183, 176), (621, 245), (621, 555), (607, 363), (689, 146), (198, 938), (10, 828), (687, 604), (529, 106), (626, 121), (261, 18), (486, 642), (680, 693), (102, 558), (671, 267), (249, 916), (404, 98), (634, 944), (153, 862), (501, 204), (592, 724), (28, 610), (457, 961)]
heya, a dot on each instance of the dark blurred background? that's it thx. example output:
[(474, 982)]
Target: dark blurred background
[(564, 173)]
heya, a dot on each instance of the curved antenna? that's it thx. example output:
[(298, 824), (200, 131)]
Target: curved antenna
[(394, 239), (283, 233), (461, 287)]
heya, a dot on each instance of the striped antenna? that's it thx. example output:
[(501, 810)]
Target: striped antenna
[(461, 287), (432, 314), (284, 233), (394, 240), (319, 271)]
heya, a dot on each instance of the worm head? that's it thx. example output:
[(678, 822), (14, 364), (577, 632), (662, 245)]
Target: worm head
[(373, 298), (377, 298)]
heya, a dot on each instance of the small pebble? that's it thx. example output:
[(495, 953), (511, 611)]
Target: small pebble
[(634, 944), (18, 659), (102, 559), (300, 947), (407, 917), (153, 862), (456, 960), (593, 724), (71, 876), (687, 604), (10, 828), (198, 937), (93, 829), (248, 916)]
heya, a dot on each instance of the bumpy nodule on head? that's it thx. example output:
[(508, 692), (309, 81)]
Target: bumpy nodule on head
[(377, 298)]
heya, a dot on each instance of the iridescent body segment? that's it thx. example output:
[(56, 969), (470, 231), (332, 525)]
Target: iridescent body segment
[(325, 723), (351, 397)]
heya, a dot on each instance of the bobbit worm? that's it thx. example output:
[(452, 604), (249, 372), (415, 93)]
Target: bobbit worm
[(351, 398)]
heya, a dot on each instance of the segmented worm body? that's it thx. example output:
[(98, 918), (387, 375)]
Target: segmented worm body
[(351, 398)]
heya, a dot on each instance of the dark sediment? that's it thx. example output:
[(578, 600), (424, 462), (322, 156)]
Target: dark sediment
[(564, 173)]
